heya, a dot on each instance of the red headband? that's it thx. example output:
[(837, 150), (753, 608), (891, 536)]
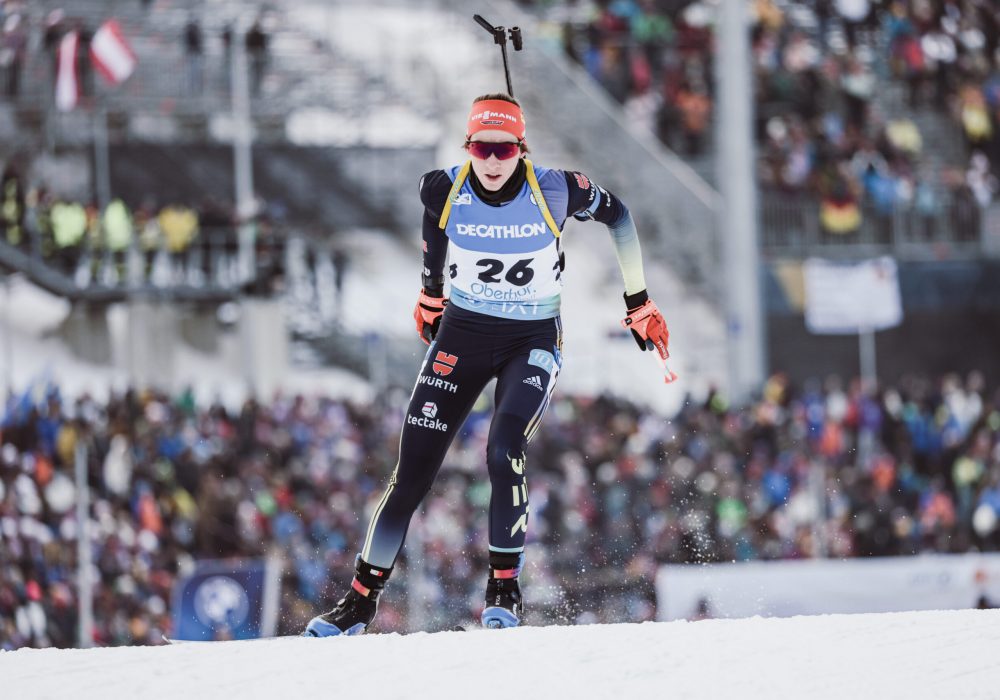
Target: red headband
[(496, 114)]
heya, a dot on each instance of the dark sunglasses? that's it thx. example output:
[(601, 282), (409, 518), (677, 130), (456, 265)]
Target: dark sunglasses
[(484, 149)]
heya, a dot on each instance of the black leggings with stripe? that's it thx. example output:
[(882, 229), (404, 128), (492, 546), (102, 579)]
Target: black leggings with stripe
[(470, 350)]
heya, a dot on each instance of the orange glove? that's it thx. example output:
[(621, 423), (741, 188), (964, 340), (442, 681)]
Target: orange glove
[(646, 323), (427, 314)]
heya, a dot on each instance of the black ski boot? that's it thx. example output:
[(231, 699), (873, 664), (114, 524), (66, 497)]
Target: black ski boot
[(504, 604), (356, 610)]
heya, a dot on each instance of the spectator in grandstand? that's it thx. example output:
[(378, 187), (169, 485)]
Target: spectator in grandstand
[(194, 56), (54, 29), (964, 216), (14, 44), (800, 54), (227, 55), (981, 181), (857, 86), (37, 223), (908, 58), (148, 236), (69, 227), (118, 230), (974, 116), (939, 49), (341, 263), (879, 184), (12, 208), (903, 139), (926, 203), (854, 13), (256, 46), (94, 243), (694, 107), (839, 210), (615, 71), (216, 230), (799, 159), (653, 31), (179, 226), (269, 260)]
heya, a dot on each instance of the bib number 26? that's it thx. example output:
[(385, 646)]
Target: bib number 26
[(518, 274)]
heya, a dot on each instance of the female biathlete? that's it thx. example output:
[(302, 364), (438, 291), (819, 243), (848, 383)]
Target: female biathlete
[(500, 218)]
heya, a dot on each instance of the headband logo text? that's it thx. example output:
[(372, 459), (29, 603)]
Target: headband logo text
[(489, 114)]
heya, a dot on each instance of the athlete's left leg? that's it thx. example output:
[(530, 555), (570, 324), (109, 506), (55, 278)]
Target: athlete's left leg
[(524, 387)]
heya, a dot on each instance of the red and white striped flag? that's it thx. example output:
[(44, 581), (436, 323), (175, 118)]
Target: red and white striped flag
[(111, 54), (67, 83)]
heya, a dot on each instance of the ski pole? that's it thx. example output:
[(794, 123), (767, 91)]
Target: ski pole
[(669, 376)]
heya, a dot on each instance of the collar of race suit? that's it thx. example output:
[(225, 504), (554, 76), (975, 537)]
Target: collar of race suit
[(506, 193)]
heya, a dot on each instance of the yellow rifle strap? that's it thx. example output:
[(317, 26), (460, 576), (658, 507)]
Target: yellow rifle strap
[(536, 190), (540, 200), (456, 186)]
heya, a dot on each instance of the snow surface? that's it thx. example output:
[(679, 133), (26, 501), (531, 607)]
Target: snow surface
[(939, 654)]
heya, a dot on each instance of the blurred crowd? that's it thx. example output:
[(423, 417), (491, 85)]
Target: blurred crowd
[(826, 123), (172, 244), (27, 32), (615, 490)]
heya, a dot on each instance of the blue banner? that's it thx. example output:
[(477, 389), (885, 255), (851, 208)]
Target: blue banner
[(234, 599)]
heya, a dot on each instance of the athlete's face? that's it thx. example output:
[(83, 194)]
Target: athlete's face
[(492, 172)]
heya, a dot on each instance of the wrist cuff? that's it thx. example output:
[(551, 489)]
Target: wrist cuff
[(634, 301), (433, 285)]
